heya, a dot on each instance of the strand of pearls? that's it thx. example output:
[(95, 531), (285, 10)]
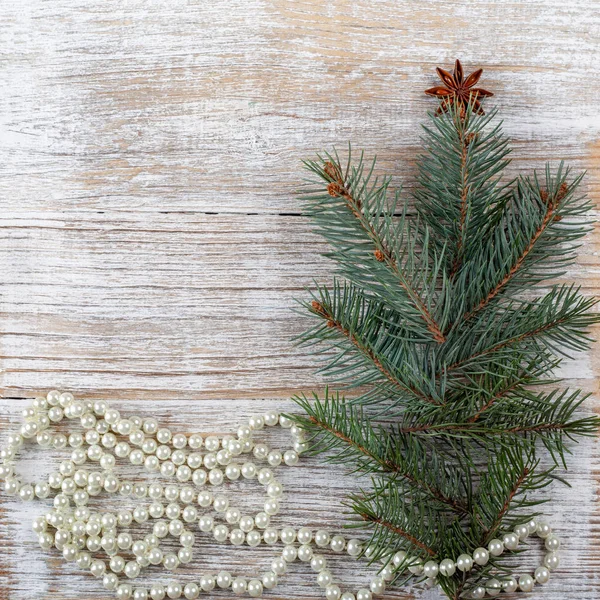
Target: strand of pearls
[(83, 535)]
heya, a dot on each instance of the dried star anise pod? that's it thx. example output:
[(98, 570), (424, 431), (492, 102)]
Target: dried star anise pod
[(459, 90)]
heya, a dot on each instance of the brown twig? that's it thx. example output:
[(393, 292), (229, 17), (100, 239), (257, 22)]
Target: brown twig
[(331, 322), (549, 217), (413, 540), (392, 467), (515, 488), (463, 209), (493, 400), (505, 343)]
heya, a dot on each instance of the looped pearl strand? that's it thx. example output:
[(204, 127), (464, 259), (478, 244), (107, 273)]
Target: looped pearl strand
[(180, 508)]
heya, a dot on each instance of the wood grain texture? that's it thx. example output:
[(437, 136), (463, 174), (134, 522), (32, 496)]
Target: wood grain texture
[(150, 239)]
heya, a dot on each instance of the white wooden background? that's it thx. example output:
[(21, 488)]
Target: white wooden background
[(151, 242)]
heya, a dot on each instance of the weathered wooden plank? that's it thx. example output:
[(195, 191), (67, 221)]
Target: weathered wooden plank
[(125, 126)]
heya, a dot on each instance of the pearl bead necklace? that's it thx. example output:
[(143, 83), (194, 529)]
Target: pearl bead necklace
[(81, 534)]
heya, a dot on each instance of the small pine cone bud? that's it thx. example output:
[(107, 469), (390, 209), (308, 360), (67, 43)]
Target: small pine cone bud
[(544, 195), (562, 191), (330, 324), (318, 307), (332, 171), (379, 255), (334, 189), (470, 137)]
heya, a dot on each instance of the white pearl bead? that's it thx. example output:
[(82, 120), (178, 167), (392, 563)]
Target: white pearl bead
[(191, 591), (399, 558), (132, 569), (270, 535), (522, 531), (246, 523), (552, 543), (478, 592), (248, 470), (174, 590), (269, 580), (239, 586), (526, 583), (415, 566), (551, 561), (140, 594), (511, 541), (237, 537), (110, 581), (354, 547), (324, 578), (377, 585), (170, 561), (220, 533), (448, 567), (288, 535), (510, 585), (543, 530), (338, 543), (289, 553), (348, 596), (317, 563), (261, 520), (256, 422), (195, 441), (430, 569), (305, 553), (493, 587), (212, 443), (271, 506), (157, 592), (542, 574), (279, 566), (322, 538), (255, 588), (271, 418), (290, 457), (124, 591), (496, 547), (224, 579), (253, 538), (333, 592), (464, 563), (481, 556), (97, 568), (364, 594), (207, 583), (215, 476)]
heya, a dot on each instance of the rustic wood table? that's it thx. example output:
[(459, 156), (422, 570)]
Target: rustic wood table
[(152, 244)]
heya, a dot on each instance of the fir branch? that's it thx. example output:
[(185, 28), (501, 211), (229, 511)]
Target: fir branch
[(324, 311), (549, 215), (396, 523), (367, 219), (558, 321), (451, 351), (458, 181), (375, 520), (344, 429)]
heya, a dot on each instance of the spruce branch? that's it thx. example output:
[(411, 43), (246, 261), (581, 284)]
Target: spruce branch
[(344, 432), (439, 336), (355, 214), (371, 338)]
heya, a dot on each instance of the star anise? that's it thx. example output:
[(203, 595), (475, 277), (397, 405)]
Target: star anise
[(458, 90)]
